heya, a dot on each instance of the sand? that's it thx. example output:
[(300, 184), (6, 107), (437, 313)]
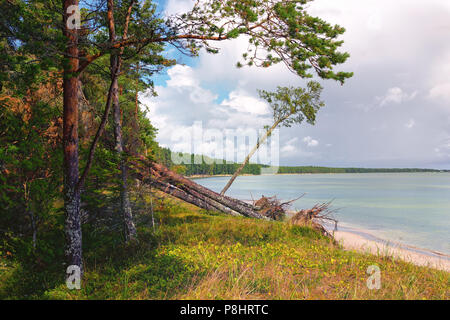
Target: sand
[(352, 241)]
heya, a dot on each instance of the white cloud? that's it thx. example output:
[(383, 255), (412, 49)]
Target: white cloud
[(178, 6), (398, 51), (241, 101), (441, 91), (184, 103), (396, 95), (183, 79), (375, 21), (439, 80), (182, 76), (292, 141), (443, 151), (310, 142), (410, 124), (290, 147)]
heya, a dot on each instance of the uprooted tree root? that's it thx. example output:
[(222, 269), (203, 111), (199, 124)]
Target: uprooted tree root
[(315, 218), (266, 208), (271, 208)]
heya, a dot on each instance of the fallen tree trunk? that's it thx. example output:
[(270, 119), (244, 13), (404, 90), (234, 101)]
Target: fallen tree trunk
[(190, 186), (214, 203), (177, 193), (267, 208), (160, 177), (191, 197)]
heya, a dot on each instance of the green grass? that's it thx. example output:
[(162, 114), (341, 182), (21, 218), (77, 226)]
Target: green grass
[(198, 255)]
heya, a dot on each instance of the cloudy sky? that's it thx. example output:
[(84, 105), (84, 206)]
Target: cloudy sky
[(394, 112)]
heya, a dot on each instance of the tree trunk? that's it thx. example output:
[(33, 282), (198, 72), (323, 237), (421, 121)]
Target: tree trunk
[(247, 159), (135, 140), (70, 143), (33, 227), (115, 61), (30, 213), (130, 229), (191, 197), (180, 194), (190, 186), (216, 206)]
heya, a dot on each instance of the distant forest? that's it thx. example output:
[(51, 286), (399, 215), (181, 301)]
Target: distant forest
[(199, 166), (312, 169)]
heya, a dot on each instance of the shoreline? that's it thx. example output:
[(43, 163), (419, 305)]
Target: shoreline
[(360, 240), (202, 176), (366, 243)]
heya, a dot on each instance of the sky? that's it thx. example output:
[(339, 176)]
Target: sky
[(394, 112)]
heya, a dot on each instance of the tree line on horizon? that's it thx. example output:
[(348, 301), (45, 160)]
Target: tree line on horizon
[(203, 165)]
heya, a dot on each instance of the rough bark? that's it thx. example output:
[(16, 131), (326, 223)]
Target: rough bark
[(125, 206), (216, 205), (70, 142), (180, 194), (191, 197), (115, 61), (130, 229), (135, 141), (33, 227), (30, 213)]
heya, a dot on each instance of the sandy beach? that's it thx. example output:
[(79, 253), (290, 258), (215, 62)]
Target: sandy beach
[(352, 241), (364, 241)]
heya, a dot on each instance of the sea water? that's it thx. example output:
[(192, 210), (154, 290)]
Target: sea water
[(406, 208)]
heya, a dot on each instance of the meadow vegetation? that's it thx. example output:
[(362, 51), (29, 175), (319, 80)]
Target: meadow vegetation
[(194, 254)]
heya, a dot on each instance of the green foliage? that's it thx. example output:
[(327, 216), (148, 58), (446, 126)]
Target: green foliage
[(203, 165), (27, 273), (293, 105), (31, 35), (30, 161), (283, 29)]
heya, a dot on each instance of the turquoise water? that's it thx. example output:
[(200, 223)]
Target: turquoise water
[(409, 208)]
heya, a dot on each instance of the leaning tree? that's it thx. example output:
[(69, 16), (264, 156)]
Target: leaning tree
[(278, 31), (289, 106)]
